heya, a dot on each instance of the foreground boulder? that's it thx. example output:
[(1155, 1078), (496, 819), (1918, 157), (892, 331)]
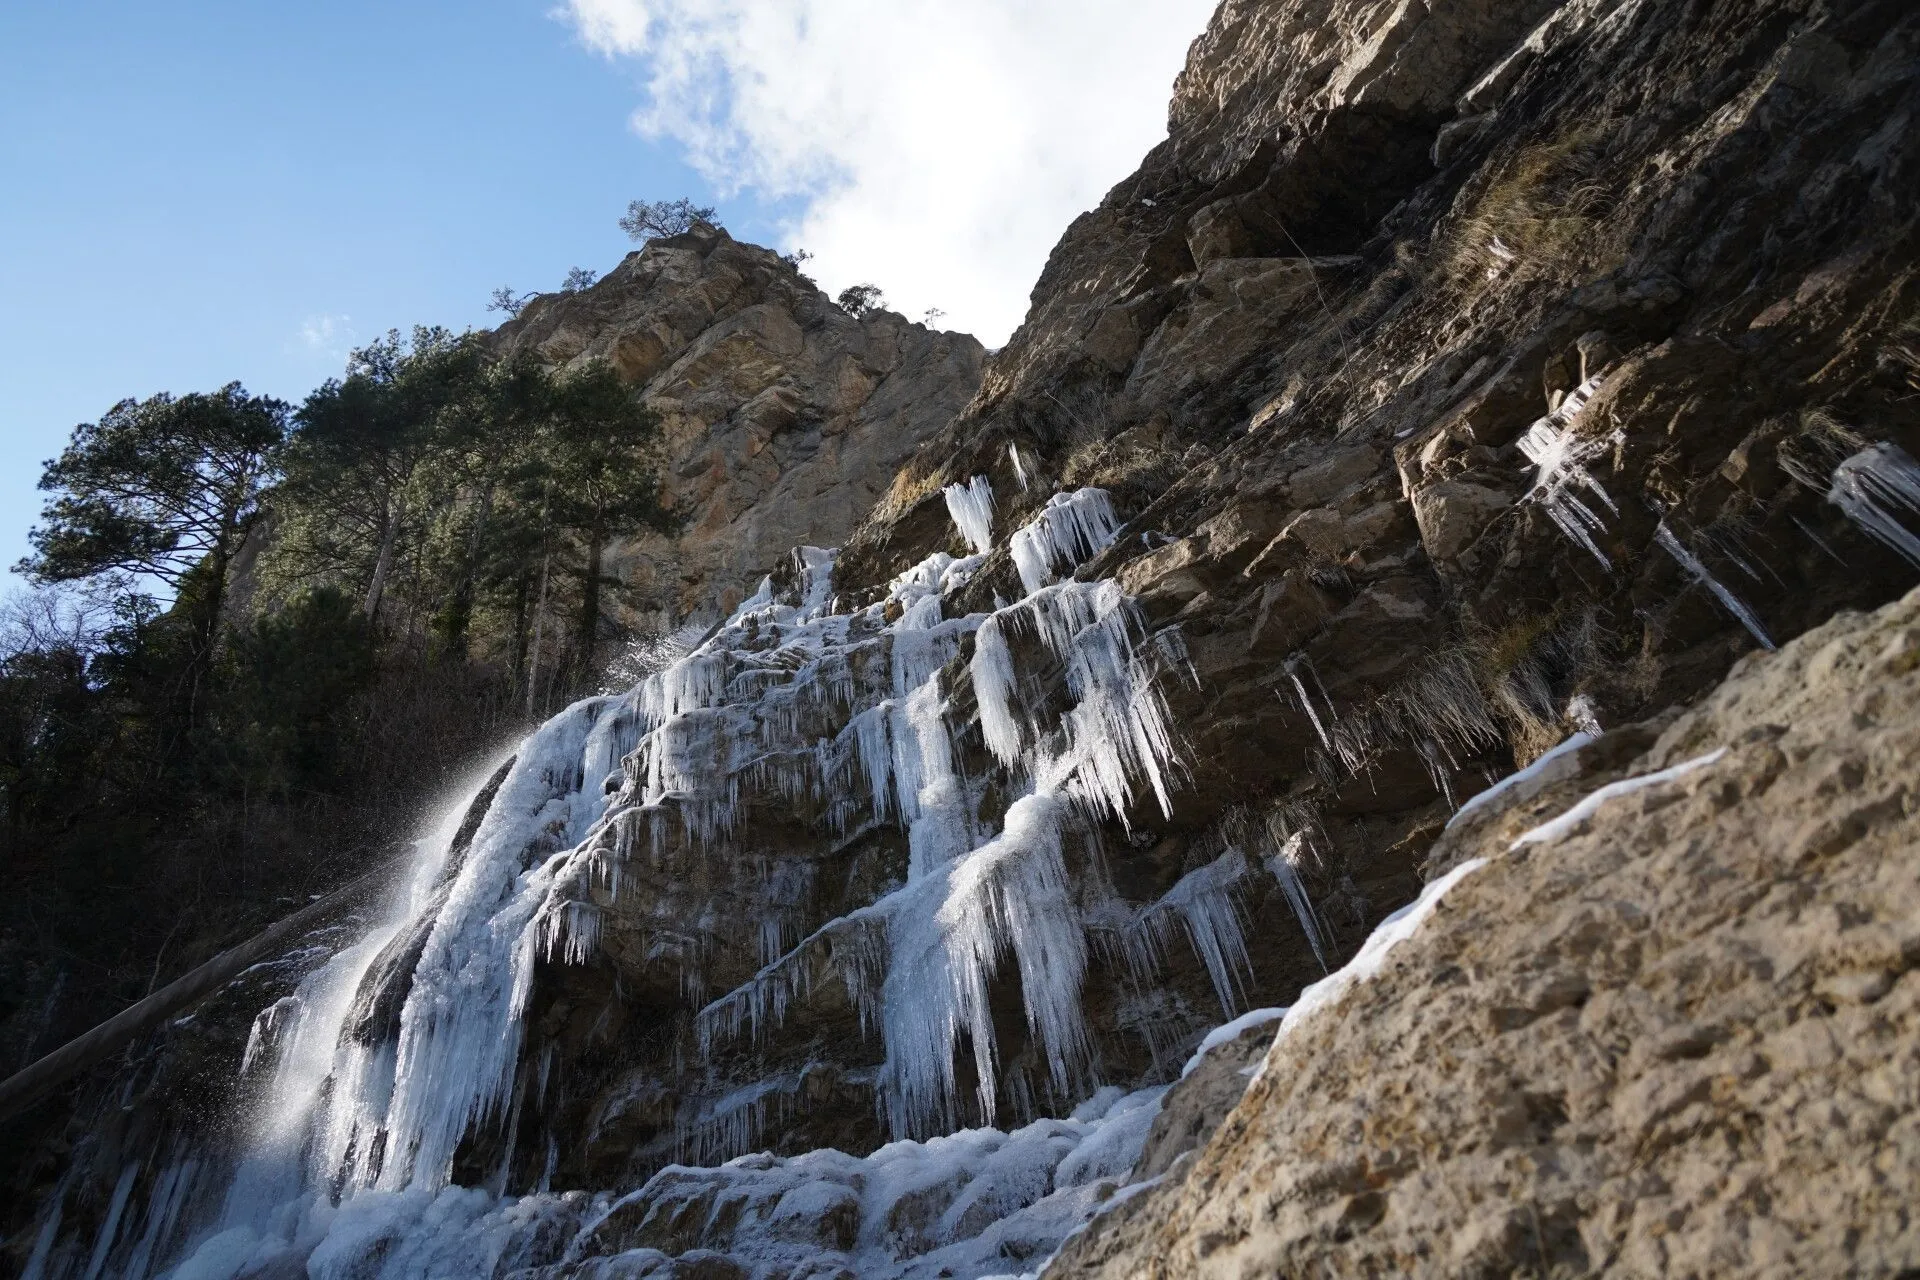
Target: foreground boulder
[(1670, 1033)]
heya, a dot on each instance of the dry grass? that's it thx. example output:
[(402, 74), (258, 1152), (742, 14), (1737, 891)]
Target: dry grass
[(907, 491), (1539, 217), (1819, 443)]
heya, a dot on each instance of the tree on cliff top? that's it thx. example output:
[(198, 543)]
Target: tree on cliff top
[(654, 219)]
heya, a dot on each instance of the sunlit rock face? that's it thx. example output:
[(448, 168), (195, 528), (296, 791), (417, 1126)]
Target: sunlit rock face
[(786, 418), (1458, 382)]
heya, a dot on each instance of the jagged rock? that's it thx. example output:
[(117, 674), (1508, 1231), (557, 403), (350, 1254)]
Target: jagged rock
[(786, 418), (1452, 513), (1677, 1037)]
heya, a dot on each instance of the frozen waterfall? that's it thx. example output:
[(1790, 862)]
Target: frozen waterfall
[(390, 1058)]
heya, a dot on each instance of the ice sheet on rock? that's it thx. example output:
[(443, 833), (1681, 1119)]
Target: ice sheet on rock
[(1556, 827), (1698, 572), (970, 1204), (1875, 484), (1562, 457), (1573, 743), (971, 506), (1372, 956), (1230, 1031), (1070, 529)]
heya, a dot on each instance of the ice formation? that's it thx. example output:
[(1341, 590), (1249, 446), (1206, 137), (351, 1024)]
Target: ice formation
[(409, 1039), (1573, 743), (1070, 529), (1698, 572), (1554, 828), (1562, 457), (1203, 907), (1285, 868), (1871, 485), (971, 506), (1372, 956)]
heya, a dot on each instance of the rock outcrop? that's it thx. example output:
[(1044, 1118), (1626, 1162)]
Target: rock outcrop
[(785, 417), (1660, 1025), (1456, 377), (1464, 373)]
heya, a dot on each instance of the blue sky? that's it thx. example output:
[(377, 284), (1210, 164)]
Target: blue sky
[(194, 193), (198, 192)]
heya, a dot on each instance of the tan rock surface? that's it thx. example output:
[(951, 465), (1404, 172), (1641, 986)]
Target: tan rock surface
[(1677, 1040), (786, 418)]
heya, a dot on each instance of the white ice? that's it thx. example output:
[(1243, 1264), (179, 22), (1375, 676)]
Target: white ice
[(1871, 485), (1551, 445), (1698, 572), (971, 506), (1554, 828)]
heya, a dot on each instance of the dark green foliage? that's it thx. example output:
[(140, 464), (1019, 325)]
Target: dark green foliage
[(506, 299), (856, 300), (296, 627), (164, 488), (600, 478), (291, 698), (653, 219)]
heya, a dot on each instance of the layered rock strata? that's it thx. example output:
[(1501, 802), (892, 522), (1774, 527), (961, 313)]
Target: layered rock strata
[(785, 417)]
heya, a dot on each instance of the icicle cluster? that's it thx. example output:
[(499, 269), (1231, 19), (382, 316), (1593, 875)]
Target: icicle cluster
[(1070, 529), (971, 506), (1699, 573), (391, 1053), (1871, 485), (1562, 457)]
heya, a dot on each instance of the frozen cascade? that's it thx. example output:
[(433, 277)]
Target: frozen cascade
[(1202, 904), (1070, 529), (401, 1045), (1562, 457), (1873, 482), (971, 506), (1698, 572)]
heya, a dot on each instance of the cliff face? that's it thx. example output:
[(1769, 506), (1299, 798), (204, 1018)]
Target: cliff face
[(1465, 371), (785, 418), (1661, 1022), (1457, 377)]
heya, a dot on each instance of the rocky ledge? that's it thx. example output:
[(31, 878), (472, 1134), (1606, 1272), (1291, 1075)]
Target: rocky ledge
[(1662, 1021)]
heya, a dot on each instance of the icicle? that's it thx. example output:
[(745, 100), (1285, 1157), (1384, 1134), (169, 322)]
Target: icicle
[(1306, 702), (1010, 894), (971, 506), (1285, 867), (1070, 529), (1873, 482), (1019, 468), (1691, 563), (1561, 458), (1202, 905), (993, 691)]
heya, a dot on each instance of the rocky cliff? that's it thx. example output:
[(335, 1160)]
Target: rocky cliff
[(1460, 386), (785, 417), (1660, 1023)]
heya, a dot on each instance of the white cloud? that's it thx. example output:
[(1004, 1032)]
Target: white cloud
[(938, 149), (328, 335)]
